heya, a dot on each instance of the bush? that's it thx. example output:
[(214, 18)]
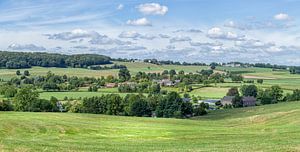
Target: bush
[(6, 105)]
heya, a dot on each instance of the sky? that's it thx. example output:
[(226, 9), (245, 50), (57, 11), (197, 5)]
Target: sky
[(207, 31)]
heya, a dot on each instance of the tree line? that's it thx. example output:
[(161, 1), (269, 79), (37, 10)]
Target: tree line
[(17, 60), (170, 105)]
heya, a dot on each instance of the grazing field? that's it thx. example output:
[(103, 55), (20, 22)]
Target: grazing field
[(133, 67), (265, 128)]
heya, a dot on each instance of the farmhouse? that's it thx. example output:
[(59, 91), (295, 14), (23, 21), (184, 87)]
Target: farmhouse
[(248, 101), (110, 85), (166, 82), (227, 100), (209, 101)]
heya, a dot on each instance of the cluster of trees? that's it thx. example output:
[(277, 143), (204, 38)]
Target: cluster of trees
[(53, 82), (17, 60), (143, 87), (27, 99), (295, 70), (271, 95), (114, 66), (170, 105), (169, 62)]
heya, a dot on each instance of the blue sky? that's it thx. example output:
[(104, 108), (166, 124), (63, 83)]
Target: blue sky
[(182, 30)]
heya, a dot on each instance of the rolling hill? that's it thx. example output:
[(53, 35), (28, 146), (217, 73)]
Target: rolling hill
[(263, 128)]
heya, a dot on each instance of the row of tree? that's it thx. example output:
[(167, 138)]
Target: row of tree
[(17, 60), (169, 105)]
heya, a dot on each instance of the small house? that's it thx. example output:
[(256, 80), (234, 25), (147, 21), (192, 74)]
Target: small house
[(248, 101), (227, 100), (110, 85)]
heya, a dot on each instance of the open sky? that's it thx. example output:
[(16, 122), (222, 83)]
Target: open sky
[(181, 30)]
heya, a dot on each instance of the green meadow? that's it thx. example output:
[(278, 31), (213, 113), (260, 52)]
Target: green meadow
[(282, 78), (264, 128)]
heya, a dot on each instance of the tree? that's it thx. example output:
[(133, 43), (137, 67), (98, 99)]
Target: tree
[(25, 98), (155, 89), (18, 72), (165, 72), (249, 90), (260, 81), (201, 109), (26, 73), (124, 74), (277, 93), (172, 73), (139, 106), (271, 95), (233, 92), (237, 77), (181, 72), (237, 101)]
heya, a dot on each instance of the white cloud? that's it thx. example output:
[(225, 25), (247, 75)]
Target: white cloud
[(153, 9), (254, 44), (139, 22), (105, 40), (129, 34), (188, 30), (281, 16), (180, 39), (75, 34), (217, 33), (135, 35), (120, 7), (26, 47)]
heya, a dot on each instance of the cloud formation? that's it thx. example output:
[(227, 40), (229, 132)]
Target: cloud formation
[(26, 47), (281, 17), (152, 9), (180, 39), (75, 34), (217, 33), (139, 22), (135, 35), (120, 7)]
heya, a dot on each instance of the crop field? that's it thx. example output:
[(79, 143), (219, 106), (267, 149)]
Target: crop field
[(264, 128)]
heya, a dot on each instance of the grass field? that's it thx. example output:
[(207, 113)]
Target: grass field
[(265, 128), (285, 80), (6, 74)]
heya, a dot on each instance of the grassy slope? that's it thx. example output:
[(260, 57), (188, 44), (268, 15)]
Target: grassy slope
[(265, 128)]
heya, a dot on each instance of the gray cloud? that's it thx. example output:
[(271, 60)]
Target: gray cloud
[(164, 36), (135, 35), (254, 44), (180, 39), (188, 30), (206, 44), (256, 25), (105, 40)]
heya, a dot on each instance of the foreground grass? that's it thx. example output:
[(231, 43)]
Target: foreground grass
[(264, 128)]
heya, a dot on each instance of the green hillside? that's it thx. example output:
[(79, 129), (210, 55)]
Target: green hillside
[(264, 128)]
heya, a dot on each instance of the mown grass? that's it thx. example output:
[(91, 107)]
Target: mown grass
[(265, 128)]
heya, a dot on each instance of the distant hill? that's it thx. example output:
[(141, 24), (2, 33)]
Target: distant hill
[(17, 60)]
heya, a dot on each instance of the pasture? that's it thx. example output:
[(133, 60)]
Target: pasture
[(263, 128)]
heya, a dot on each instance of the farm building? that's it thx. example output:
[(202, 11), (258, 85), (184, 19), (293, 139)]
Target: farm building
[(166, 82), (110, 85), (248, 101), (227, 100)]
